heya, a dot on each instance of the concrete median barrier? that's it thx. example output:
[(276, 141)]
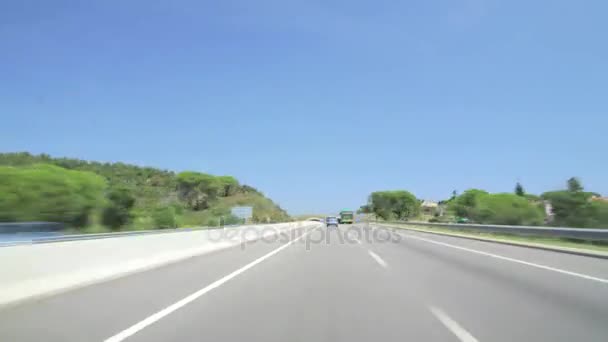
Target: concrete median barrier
[(32, 271)]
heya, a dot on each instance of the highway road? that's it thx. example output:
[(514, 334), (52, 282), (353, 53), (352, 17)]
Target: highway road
[(354, 283)]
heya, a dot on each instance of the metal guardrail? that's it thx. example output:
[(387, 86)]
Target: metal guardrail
[(30, 227), (587, 234), (76, 237)]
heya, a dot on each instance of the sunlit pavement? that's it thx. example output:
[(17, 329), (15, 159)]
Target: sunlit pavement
[(352, 283)]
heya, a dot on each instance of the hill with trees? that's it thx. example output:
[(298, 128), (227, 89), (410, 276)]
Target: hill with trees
[(91, 196)]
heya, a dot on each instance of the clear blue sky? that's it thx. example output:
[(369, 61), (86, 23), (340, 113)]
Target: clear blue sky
[(316, 102)]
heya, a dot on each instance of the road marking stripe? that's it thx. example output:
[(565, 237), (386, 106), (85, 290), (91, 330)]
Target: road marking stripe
[(559, 270), (452, 325), (121, 336), (377, 258)]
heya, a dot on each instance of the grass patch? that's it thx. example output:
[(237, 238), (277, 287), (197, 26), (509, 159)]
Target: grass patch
[(550, 242)]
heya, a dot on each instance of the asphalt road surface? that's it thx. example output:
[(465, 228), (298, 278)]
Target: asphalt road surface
[(354, 283)]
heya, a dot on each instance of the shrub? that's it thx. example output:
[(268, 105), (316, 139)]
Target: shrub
[(507, 209), (49, 193), (165, 218), (118, 211)]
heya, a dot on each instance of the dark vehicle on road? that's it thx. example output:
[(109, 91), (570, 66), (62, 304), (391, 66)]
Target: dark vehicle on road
[(331, 221), (462, 220)]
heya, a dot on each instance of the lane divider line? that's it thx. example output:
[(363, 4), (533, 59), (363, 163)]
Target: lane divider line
[(121, 336), (452, 325), (518, 261), (378, 259)]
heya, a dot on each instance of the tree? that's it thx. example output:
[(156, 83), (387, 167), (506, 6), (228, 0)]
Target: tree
[(519, 190), (246, 189), (574, 185), (575, 208), (228, 185), (600, 214), (466, 204), (49, 193), (198, 189), (118, 211), (570, 209), (394, 204)]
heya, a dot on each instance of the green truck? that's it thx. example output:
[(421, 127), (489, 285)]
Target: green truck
[(347, 216)]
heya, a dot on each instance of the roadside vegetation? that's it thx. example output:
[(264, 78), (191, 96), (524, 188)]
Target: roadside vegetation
[(96, 197), (570, 207), (596, 246)]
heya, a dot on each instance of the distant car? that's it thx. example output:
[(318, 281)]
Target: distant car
[(462, 220), (331, 221)]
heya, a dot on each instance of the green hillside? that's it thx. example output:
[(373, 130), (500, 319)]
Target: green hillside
[(93, 196)]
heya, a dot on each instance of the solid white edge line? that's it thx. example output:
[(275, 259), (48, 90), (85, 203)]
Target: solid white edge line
[(452, 325), (121, 336), (378, 259), (496, 256)]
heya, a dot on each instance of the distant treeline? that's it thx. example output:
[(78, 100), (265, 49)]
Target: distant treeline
[(571, 207), (84, 194)]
